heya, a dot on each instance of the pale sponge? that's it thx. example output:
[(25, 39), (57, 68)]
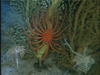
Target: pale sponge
[(83, 61), (15, 53)]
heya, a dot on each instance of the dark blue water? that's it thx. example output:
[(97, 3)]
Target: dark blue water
[(6, 22)]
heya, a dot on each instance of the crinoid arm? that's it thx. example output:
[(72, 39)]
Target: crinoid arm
[(39, 20), (56, 49), (62, 36), (61, 25), (62, 31), (57, 20), (43, 19), (47, 18), (30, 35), (36, 48), (32, 29), (35, 25), (34, 42), (52, 18), (58, 45)]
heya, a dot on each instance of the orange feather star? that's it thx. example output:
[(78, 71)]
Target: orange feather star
[(47, 34)]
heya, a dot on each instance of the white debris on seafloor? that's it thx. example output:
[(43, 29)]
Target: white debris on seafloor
[(83, 61), (15, 53)]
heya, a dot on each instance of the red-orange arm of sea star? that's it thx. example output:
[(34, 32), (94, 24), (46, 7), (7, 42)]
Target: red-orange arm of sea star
[(58, 45), (36, 48), (61, 25), (34, 42), (30, 35), (57, 20), (56, 50), (35, 25), (62, 36), (39, 20), (47, 17), (43, 19), (61, 31), (32, 29), (45, 53), (52, 17)]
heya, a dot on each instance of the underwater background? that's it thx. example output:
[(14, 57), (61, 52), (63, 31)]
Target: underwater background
[(75, 49)]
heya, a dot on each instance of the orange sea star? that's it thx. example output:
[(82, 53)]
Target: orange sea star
[(47, 33)]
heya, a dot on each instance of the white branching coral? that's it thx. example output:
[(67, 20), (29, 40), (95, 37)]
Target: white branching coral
[(83, 61), (15, 53)]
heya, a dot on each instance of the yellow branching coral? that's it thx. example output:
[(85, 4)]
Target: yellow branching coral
[(85, 23), (84, 15)]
